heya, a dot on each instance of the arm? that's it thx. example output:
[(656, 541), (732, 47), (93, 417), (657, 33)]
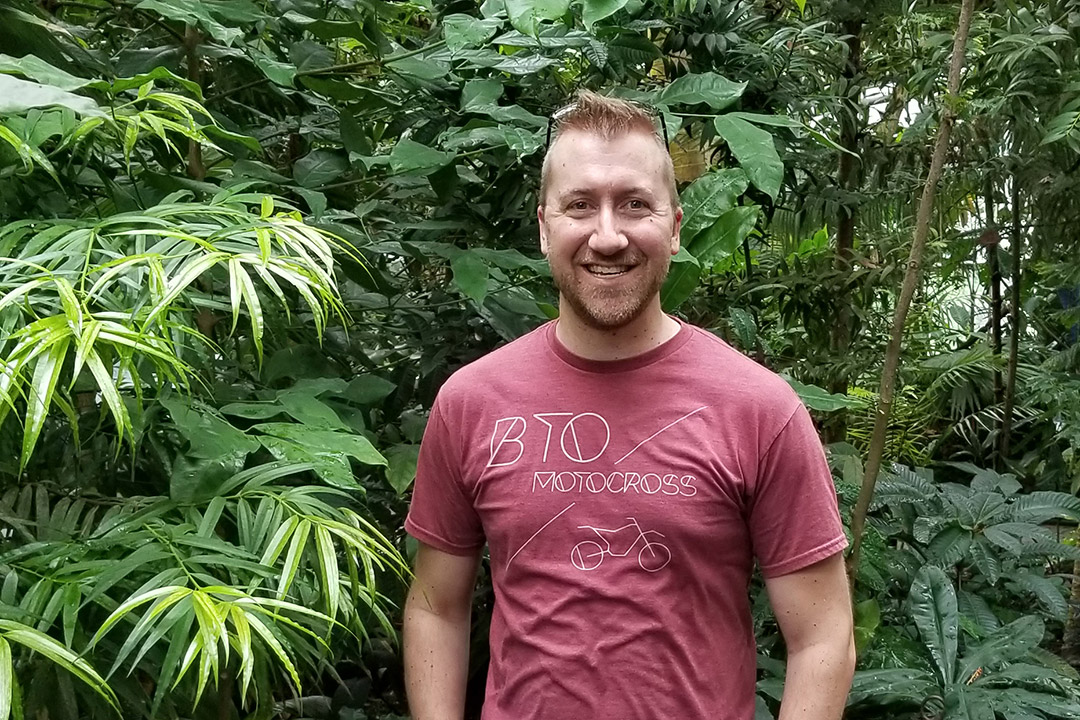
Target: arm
[(436, 633), (813, 608)]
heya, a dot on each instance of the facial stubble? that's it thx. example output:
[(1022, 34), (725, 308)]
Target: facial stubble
[(612, 308)]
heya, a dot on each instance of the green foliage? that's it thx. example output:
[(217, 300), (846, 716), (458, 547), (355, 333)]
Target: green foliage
[(243, 244)]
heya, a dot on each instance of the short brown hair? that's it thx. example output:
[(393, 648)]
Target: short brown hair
[(609, 118)]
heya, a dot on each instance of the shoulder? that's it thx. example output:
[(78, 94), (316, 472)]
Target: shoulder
[(738, 378)]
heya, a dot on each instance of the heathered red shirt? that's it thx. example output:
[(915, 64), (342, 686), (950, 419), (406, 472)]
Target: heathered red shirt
[(624, 504)]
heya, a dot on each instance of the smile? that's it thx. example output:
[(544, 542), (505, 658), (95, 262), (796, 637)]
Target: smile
[(608, 270)]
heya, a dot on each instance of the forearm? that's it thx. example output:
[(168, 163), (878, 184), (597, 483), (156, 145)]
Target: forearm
[(817, 682), (436, 660)]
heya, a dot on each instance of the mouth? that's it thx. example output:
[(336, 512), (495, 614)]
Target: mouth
[(607, 271)]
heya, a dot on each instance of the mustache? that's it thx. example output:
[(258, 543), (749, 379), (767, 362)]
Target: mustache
[(626, 257)]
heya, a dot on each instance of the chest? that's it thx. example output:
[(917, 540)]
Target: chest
[(597, 489)]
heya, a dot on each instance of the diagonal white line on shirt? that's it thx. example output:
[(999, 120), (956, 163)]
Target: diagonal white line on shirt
[(537, 533), (666, 427)]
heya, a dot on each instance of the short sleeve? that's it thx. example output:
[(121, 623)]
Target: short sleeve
[(793, 517), (441, 513)]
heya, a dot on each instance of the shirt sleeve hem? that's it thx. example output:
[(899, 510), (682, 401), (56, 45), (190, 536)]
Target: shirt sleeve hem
[(438, 542), (805, 559)]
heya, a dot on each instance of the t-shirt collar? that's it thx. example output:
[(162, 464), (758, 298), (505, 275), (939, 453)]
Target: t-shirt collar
[(613, 366)]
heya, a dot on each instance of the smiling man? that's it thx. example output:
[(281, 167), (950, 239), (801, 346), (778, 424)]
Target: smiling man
[(626, 471)]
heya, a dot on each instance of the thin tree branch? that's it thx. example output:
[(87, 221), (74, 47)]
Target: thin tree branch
[(911, 277), (330, 70)]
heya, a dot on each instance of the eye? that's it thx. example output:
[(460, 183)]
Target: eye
[(578, 205), (636, 204)]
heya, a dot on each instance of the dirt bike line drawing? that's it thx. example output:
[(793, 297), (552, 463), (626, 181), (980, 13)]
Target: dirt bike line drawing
[(588, 554)]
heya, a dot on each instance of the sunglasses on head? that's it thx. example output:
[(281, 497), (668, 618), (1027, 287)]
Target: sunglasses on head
[(558, 115)]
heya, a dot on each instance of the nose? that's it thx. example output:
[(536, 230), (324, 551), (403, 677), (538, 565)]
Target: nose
[(607, 238)]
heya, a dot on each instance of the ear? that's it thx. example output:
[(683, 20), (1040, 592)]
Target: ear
[(675, 230), (543, 235)]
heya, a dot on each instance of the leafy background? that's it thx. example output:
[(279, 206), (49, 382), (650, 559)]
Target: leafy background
[(242, 243)]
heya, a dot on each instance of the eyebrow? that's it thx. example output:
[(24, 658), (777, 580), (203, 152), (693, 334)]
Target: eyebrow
[(577, 192)]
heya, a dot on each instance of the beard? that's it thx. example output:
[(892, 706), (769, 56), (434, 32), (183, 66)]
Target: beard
[(611, 308)]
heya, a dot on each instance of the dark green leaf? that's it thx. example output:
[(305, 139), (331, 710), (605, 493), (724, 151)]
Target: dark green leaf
[(594, 11), (710, 88), (526, 14), (755, 151), (325, 441), (401, 469), (1007, 644), (409, 156), (742, 322), (315, 200), (820, 399), (709, 197), (932, 604), (369, 389), (462, 31), (202, 14), (470, 276), (682, 280), (319, 167), (210, 436), (723, 238)]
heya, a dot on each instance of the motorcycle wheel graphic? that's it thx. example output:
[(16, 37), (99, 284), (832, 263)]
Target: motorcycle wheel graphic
[(653, 557), (587, 555)]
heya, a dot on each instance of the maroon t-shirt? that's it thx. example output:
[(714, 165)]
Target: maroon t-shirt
[(624, 504)]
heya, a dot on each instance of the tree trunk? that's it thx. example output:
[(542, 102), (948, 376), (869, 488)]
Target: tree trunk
[(196, 168), (911, 277), (847, 179), (990, 240), (1014, 315)]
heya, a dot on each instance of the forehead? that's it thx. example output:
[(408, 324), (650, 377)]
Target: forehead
[(580, 160)]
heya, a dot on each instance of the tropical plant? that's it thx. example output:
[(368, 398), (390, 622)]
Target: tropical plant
[(980, 677)]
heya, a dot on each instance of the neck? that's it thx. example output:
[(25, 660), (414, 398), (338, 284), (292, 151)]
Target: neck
[(649, 330)]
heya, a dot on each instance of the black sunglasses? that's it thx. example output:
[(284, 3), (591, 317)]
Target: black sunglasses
[(555, 117)]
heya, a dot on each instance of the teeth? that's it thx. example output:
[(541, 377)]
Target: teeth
[(604, 270)]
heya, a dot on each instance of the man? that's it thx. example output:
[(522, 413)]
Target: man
[(625, 470)]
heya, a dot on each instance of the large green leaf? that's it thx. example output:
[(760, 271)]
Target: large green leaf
[(710, 88), (681, 281), (325, 441), (310, 410), (401, 470), (709, 197), (319, 167), (883, 687), (932, 604), (36, 69), (1009, 643), (205, 14), (210, 437), (1048, 592), (462, 31), (409, 156), (525, 15), (725, 235), (470, 276), (594, 11), (755, 151), (17, 96), (820, 399)]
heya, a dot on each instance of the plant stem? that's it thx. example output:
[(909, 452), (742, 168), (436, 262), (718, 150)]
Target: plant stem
[(329, 70), (1014, 311), (911, 277)]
